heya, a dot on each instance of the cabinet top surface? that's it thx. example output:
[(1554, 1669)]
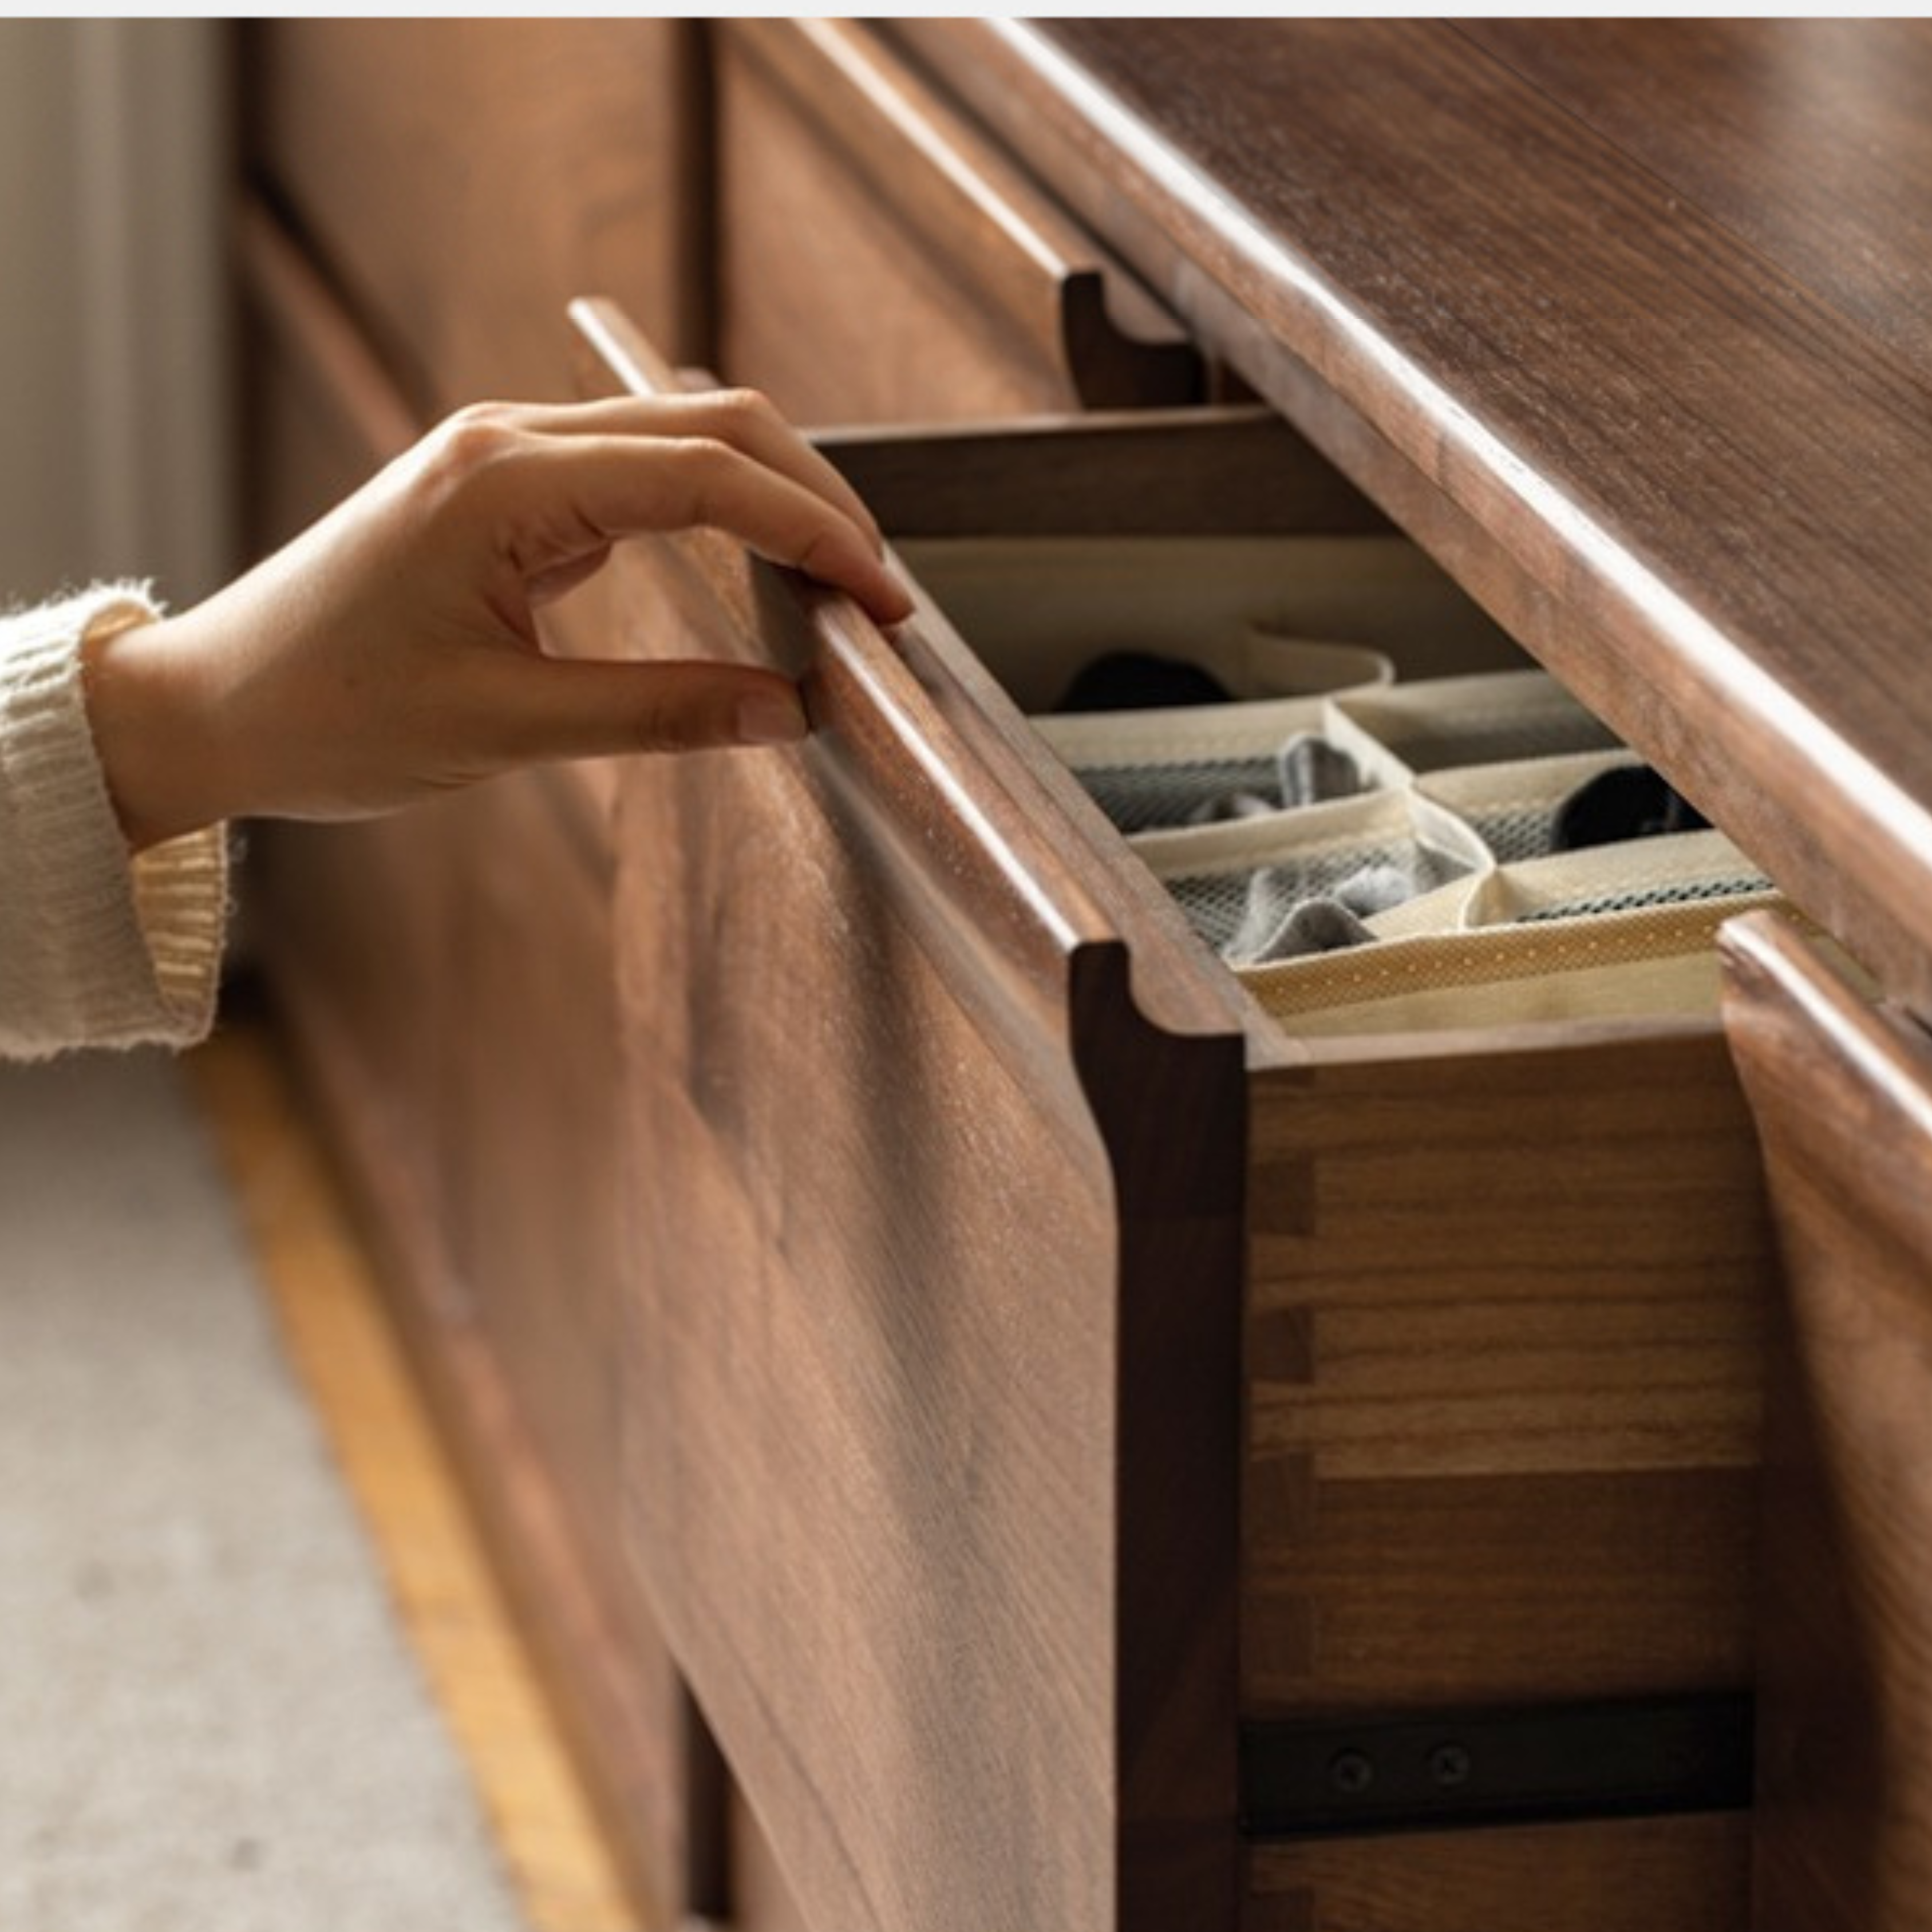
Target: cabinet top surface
[(1650, 301)]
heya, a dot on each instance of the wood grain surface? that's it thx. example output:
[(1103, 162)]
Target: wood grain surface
[(1804, 138), (1843, 1094), (930, 1395), (940, 281), (459, 180), (1503, 1300), (1504, 1355), (1167, 473), (1685, 470), (760, 1900), (1689, 1874)]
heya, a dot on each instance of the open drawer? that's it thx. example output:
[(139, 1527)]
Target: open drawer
[(1106, 1456)]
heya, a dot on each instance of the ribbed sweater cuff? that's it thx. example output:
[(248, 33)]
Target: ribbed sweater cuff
[(96, 949)]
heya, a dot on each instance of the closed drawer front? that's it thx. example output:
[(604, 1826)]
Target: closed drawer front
[(954, 1247), (459, 180), (1841, 1088), (941, 282)]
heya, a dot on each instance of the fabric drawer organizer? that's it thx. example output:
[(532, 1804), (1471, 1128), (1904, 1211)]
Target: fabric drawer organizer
[(1420, 880)]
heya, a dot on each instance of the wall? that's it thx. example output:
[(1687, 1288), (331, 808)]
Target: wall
[(114, 324)]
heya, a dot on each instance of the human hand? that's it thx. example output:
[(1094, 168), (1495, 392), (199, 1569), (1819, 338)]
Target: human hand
[(391, 653)]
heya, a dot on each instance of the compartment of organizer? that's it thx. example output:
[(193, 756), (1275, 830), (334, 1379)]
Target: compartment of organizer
[(1284, 884), (1065, 623), (1594, 892)]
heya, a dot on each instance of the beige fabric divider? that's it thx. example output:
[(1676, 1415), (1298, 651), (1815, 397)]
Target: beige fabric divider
[(1477, 720), (1614, 932), (1341, 829), (1393, 732), (1037, 609), (1196, 734), (1658, 963)]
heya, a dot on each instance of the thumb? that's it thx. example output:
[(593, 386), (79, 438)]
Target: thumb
[(542, 709)]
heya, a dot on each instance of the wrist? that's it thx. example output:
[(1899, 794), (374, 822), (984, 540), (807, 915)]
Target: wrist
[(139, 685)]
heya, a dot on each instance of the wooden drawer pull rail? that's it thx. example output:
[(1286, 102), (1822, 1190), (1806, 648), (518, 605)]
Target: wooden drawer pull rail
[(304, 308)]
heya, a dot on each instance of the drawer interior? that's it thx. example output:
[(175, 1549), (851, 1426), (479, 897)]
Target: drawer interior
[(1271, 697)]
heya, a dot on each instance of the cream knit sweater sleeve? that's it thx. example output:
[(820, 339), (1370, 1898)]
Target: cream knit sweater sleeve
[(96, 949)]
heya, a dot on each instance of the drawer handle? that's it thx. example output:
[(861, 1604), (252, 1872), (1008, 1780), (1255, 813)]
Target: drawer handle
[(300, 303)]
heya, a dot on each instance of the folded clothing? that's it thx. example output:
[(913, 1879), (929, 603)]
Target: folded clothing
[(1141, 681), (1307, 770), (1628, 802), (1285, 920)]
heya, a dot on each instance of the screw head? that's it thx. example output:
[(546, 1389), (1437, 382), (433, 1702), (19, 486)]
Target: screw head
[(1449, 1765), (1351, 1772)]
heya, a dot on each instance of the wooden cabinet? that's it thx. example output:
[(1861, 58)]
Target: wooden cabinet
[(1107, 1440)]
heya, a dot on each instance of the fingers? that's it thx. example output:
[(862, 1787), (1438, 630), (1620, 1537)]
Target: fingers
[(617, 486), (529, 710), (561, 483), (742, 418)]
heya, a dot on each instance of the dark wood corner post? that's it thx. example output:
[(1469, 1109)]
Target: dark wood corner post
[(1171, 1111)]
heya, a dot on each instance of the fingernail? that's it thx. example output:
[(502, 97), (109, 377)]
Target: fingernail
[(767, 717), (892, 602)]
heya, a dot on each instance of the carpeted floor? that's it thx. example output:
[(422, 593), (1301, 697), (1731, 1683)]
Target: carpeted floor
[(208, 1722)]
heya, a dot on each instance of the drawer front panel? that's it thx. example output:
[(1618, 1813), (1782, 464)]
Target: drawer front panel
[(928, 1395), (461, 180), (534, 1224), (1843, 1095), (940, 283)]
